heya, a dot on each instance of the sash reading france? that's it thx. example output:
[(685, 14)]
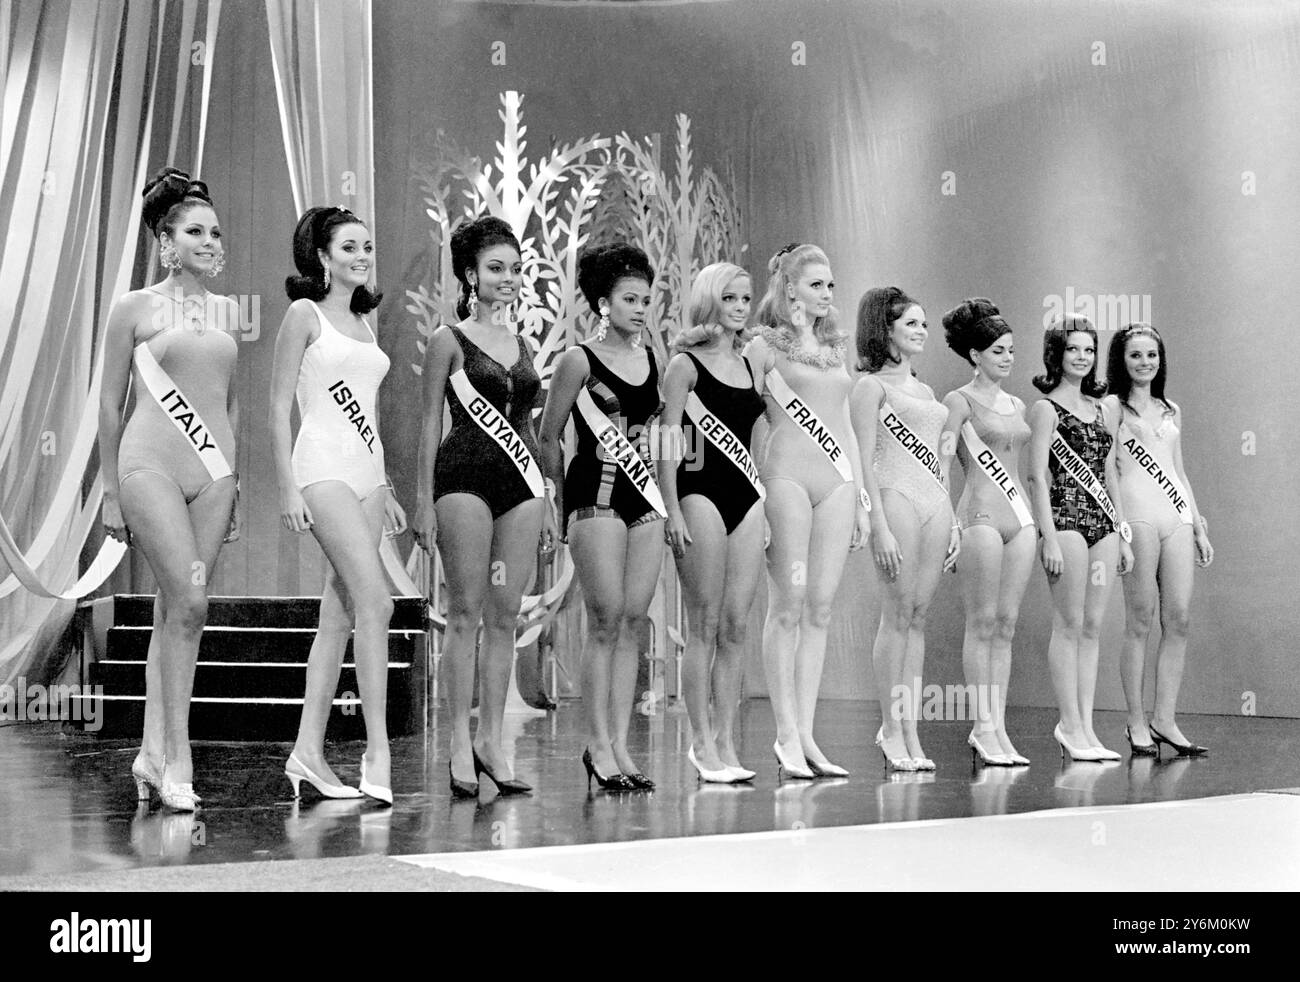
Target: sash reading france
[(499, 430), (803, 417)]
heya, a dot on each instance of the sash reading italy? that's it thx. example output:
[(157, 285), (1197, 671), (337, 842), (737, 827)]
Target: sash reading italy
[(1078, 469), (498, 428), (988, 462), (719, 434), (1166, 481), (803, 417), (910, 442), (180, 412), (621, 450)]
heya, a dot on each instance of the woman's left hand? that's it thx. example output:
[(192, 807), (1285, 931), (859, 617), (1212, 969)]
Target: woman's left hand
[(550, 529), (1204, 551), (954, 549), (394, 517), (861, 530)]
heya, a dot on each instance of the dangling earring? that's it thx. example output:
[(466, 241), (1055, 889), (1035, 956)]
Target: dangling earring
[(638, 341), (604, 323), (169, 258), (327, 279), (218, 265), (473, 301)]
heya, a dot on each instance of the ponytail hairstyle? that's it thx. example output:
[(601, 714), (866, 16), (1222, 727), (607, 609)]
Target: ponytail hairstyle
[(168, 197), (774, 309), (468, 241), (312, 235), (879, 308), (1117, 376), (973, 325), (1058, 332), (706, 308)]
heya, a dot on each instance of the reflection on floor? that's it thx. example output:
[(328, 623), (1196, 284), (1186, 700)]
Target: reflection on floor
[(68, 803)]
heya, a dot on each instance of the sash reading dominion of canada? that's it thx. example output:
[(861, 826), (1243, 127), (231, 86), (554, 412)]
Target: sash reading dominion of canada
[(618, 446), (499, 430), (1078, 468), (183, 415)]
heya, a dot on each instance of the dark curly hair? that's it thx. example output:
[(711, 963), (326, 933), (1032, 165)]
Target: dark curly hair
[(600, 269), (313, 234), (1117, 376), (879, 308), (468, 241), (168, 197), (973, 324), (1058, 332)]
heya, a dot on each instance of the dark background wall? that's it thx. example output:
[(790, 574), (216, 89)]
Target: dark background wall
[(1118, 178)]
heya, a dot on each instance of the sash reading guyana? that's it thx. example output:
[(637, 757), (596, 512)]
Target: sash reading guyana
[(499, 430)]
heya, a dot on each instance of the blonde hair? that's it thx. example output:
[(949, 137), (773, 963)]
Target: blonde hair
[(706, 307), (774, 309)]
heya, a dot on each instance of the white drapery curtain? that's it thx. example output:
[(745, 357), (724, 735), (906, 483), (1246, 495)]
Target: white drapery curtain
[(81, 83)]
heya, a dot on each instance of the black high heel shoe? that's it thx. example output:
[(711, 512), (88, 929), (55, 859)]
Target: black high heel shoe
[(639, 781), (503, 787), (1140, 749), (462, 789), (1182, 749), (615, 782)]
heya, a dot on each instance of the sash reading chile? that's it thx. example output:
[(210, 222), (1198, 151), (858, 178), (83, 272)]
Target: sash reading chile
[(176, 408), (910, 442), (1077, 468), (1168, 484), (621, 450), (498, 428), (803, 417), (992, 467), (720, 435)]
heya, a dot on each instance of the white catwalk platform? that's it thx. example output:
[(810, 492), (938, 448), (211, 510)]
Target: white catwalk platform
[(1234, 842)]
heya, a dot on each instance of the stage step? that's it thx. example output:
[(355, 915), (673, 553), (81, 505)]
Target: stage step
[(251, 671)]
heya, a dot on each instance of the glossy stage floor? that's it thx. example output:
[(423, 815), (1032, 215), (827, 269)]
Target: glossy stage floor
[(69, 820)]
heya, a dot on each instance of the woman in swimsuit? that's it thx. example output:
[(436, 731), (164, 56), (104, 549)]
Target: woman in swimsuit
[(177, 343), (334, 483), (914, 537), (1167, 540), (475, 504), (997, 550), (613, 529), (815, 512), (715, 520), (1076, 531)]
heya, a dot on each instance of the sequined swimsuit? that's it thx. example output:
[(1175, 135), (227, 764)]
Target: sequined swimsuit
[(1073, 508), (469, 462)]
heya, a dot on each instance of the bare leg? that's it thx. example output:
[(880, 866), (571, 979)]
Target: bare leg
[(1177, 563), (898, 701), (599, 548), (979, 571), (1102, 559), (465, 546), (702, 568), (789, 513), (744, 566), (645, 559), (1067, 623), (514, 558), (1017, 564), (932, 550), (349, 532)]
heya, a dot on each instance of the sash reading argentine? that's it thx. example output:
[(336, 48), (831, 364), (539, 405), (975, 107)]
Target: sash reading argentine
[(1169, 485)]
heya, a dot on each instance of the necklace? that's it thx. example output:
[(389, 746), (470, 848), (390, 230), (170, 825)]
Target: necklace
[(817, 359), (193, 309)]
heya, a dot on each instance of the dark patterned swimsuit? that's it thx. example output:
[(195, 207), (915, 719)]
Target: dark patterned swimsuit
[(595, 486), (1073, 508), (471, 462)]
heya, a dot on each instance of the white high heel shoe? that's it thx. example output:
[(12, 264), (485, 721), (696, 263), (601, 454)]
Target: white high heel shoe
[(895, 763), (374, 790), (297, 772), (723, 776), (1077, 753), (799, 770)]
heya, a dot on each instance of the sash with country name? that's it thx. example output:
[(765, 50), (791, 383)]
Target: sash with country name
[(719, 434), (1078, 468), (618, 447), (499, 430), (992, 467), (805, 419), (183, 415), (351, 408), (1166, 481), (910, 442)]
